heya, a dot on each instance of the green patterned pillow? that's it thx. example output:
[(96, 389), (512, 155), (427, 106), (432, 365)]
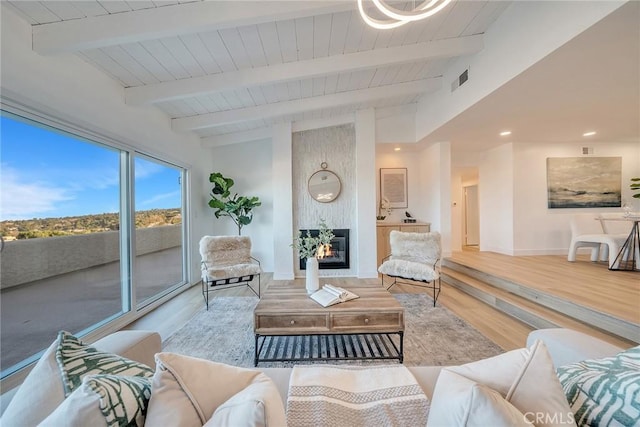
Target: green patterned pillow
[(604, 392), (104, 400), (77, 359)]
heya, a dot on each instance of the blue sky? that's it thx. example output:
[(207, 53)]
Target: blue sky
[(45, 174)]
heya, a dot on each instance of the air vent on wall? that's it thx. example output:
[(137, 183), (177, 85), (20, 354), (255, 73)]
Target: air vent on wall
[(587, 150), (462, 78)]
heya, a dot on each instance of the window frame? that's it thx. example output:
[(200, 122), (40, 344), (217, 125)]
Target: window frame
[(185, 266), (128, 152)]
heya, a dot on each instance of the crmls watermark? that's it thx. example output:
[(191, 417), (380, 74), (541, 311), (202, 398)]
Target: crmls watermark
[(547, 418)]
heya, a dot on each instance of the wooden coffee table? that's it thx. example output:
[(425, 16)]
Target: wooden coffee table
[(290, 326)]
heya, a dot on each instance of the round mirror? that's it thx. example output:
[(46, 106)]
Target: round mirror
[(324, 185)]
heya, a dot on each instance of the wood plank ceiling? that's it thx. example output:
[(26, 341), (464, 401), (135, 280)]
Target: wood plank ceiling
[(221, 67)]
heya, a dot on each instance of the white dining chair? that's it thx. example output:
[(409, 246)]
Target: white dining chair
[(587, 231)]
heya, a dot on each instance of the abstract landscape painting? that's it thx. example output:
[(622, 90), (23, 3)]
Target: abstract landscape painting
[(584, 182)]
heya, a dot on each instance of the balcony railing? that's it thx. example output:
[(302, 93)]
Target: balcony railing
[(73, 283), (25, 261)]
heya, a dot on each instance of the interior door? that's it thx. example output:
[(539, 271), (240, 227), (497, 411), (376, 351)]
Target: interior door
[(472, 216)]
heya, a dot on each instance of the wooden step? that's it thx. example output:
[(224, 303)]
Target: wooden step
[(533, 307), (587, 283), (504, 330)]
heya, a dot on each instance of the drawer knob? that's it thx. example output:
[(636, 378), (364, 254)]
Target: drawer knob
[(293, 322), (366, 320)]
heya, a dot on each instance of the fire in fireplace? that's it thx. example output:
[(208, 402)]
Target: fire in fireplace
[(337, 256)]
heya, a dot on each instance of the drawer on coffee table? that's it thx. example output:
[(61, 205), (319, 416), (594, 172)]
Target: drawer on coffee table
[(291, 322), (367, 321)]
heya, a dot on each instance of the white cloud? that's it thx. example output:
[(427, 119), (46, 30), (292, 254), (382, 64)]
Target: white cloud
[(25, 199), (151, 201), (145, 168), (82, 179)]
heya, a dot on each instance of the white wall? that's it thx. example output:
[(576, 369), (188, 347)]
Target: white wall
[(444, 181), (71, 90), (514, 218), (457, 211), (430, 192), (417, 206), (366, 194), (249, 165), (542, 231), (400, 128), (282, 187), (496, 198), (514, 43), (429, 184), (435, 190), (277, 170)]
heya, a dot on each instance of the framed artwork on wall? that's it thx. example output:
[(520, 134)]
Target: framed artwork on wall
[(584, 182), (393, 187)]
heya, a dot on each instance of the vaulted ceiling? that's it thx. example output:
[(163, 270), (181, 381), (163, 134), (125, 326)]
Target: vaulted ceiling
[(220, 67), (227, 68)]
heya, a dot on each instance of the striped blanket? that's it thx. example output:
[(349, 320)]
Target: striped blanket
[(355, 396)]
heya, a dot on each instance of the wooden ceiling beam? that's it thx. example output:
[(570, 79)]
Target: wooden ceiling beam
[(221, 118), (236, 137), (179, 89)]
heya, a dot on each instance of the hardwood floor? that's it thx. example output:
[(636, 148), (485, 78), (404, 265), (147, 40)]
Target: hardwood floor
[(585, 282), (617, 293), (500, 328), (174, 314)]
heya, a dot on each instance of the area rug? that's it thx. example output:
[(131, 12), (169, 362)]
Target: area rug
[(433, 335)]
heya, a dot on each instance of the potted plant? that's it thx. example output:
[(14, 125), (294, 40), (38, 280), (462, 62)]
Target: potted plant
[(238, 208), (310, 248)]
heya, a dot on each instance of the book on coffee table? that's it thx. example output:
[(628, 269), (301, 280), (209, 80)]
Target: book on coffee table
[(330, 295)]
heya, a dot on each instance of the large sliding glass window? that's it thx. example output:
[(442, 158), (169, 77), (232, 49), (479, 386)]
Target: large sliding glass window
[(158, 203), (65, 204)]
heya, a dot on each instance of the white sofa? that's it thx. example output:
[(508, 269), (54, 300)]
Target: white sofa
[(564, 346)]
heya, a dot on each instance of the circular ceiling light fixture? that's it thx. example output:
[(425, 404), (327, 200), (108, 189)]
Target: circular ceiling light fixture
[(505, 133), (590, 133), (399, 17)]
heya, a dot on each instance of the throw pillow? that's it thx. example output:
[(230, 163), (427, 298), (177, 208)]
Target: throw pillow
[(458, 401), (77, 359), (44, 389), (39, 395), (186, 391), (104, 400), (604, 392), (526, 379), (247, 407)]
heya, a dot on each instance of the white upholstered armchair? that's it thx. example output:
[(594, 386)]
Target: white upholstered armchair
[(415, 257), (227, 260)]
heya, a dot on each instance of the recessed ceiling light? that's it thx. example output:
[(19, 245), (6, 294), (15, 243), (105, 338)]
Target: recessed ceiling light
[(397, 149), (590, 133), (505, 133)]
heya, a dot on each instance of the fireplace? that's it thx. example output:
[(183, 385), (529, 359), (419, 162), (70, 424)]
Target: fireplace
[(338, 257)]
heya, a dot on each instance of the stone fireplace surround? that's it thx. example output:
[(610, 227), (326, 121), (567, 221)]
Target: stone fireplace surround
[(335, 145)]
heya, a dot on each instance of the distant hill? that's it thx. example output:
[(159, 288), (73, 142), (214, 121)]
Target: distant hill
[(71, 225)]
